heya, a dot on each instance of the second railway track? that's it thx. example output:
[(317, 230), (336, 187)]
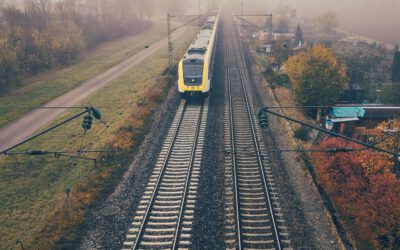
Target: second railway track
[(164, 217), (254, 219)]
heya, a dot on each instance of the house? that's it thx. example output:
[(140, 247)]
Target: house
[(262, 35), (361, 122)]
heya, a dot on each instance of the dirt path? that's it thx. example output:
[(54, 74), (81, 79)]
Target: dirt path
[(28, 124)]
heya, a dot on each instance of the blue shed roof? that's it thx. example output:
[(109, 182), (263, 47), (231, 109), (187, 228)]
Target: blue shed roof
[(344, 112)]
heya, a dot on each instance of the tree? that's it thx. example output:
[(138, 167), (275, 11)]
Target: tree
[(283, 27), (365, 192), (281, 52), (327, 21), (8, 65), (38, 13), (317, 77), (146, 8), (396, 67), (299, 36), (390, 140)]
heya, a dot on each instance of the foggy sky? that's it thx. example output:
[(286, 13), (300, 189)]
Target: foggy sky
[(377, 19)]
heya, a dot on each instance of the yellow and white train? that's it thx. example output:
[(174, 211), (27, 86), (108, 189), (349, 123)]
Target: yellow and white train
[(196, 67)]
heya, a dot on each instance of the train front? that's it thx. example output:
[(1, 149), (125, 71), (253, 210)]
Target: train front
[(191, 74)]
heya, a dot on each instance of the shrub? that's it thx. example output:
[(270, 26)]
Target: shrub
[(281, 79), (301, 133)]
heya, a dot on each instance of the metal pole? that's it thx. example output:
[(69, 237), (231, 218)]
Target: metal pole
[(170, 47), (269, 27), (396, 167)]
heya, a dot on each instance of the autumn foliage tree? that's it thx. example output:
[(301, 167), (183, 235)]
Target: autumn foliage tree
[(364, 190), (43, 34), (317, 77)]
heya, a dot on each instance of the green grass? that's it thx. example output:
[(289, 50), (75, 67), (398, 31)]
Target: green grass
[(41, 89), (32, 189)]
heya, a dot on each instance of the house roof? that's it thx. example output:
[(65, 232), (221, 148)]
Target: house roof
[(347, 112)]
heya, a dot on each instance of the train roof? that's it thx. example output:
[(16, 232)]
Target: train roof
[(199, 45)]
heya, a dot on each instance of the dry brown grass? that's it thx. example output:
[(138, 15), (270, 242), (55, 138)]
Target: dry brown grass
[(285, 96)]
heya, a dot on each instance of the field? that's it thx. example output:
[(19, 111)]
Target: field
[(36, 91), (34, 208)]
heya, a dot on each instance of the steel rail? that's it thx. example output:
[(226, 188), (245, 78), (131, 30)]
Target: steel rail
[(145, 218), (241, 65), (192, 159), (235, 172)]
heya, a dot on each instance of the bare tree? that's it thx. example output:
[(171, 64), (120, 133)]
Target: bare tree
[(38, 12), (327, 21), (147, 8)]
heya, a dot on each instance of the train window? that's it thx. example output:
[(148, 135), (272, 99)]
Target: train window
[(200, 51), (193, 70)]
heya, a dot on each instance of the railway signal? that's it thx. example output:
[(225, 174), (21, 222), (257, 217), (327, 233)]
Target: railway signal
[(87, 122), (263, 118)]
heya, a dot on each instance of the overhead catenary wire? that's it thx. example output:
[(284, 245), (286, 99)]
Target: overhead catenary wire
[(43, 107), (361, 105), (5, 151), (92, 111), (184, 24), (44, 152), (367, 145)]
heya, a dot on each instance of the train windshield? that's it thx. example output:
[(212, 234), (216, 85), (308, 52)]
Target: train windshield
[(193, 70), (193, 73)]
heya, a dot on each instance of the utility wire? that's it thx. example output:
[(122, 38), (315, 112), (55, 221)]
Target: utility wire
[(248, 22), (42, 107), (92, 111), (5, 151), (44, 152), (186, 23), (367, 145), (340, 106)]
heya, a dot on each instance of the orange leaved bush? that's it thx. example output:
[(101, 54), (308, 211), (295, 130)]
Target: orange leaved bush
[(364, 190)]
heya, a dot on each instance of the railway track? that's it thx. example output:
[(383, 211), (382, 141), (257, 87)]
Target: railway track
[(164, 217), (254, 219)]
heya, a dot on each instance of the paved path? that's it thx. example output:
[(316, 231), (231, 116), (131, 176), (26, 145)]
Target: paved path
[(27, 125)]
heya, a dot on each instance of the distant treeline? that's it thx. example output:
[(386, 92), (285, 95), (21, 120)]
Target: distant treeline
[(41, 34)]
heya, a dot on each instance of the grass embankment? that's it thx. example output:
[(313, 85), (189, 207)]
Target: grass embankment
[(282, 93), (36, 91), (33, 206)]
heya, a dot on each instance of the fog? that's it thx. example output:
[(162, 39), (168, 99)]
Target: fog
[(377, 19)]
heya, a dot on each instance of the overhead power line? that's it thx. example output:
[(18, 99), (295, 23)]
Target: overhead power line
[(88, 110), (366, 145)]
